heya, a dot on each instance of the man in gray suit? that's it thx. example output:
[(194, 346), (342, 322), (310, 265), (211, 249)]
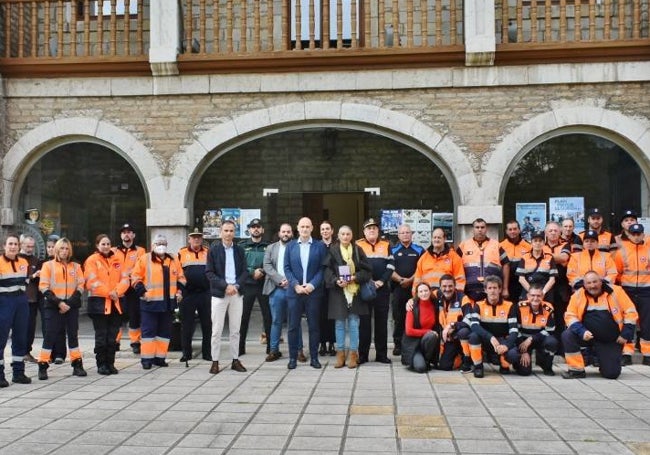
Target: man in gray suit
[(275, 286)]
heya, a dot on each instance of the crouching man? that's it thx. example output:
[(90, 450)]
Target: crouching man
[(601, 316), (536, 323), (493, 325)]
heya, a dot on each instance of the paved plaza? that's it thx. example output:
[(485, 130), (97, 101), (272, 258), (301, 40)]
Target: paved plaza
[(270, 410)]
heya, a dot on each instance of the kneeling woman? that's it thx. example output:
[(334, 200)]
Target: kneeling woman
[(62, 282), (347, 268), (106, 282), (420, 342)]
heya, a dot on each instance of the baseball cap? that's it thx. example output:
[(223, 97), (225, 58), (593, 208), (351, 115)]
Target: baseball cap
[(591, 234), (637, 228), (255, 222)]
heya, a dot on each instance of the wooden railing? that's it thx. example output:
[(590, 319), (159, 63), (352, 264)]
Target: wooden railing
[(59, 32), (564, 21), (253, 26)]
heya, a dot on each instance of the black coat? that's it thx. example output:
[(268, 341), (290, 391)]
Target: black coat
[(337, 303)]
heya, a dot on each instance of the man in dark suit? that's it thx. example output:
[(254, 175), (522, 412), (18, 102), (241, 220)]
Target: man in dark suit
[(226, 272), (303, 268)]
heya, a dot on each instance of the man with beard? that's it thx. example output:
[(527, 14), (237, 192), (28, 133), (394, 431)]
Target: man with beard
[(275, 286), (254, 248), (515, 247)]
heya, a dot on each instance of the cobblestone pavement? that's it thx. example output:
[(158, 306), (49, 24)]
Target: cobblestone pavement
[(374, 409)]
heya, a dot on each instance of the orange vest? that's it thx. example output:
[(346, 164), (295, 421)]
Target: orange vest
[(63, 279), (481, 261), (533, 323), (431, 267), (149, 272), (128, 257), (529, 265), (13, 275), (515, 252), (633, 264), (582, 262), (103, 275), (449, 312), (617, 303)]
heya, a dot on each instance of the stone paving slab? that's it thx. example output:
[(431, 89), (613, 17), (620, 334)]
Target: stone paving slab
[(374, 409)]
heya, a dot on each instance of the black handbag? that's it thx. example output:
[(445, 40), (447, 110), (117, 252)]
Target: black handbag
[(368, 291)]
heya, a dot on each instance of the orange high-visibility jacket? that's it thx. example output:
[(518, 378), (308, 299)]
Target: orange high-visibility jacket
[(616, 302), (104, 275), (63, 279), (149, 271), (633, 264), (432, 266), (582, 262), (13, 275)]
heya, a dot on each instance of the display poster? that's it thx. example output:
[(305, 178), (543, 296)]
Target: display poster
[(390, 221), (444, 221), (232, 214), (212, 224), (420, 222), (560, 208), (531, 217), (245, 217)]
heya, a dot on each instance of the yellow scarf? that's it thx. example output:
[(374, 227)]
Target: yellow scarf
[(352, 288)]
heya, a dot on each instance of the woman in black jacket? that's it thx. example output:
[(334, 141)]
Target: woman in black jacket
[(346, 269)]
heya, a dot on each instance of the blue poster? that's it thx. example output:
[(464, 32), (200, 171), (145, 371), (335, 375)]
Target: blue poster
[(531, 217)]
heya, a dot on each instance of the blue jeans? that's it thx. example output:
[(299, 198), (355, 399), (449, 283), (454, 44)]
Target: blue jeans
[(278, 302), (353, 330)]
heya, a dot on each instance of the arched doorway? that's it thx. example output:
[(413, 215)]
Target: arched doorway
[(323, 172), (82, 189), (578, 165)]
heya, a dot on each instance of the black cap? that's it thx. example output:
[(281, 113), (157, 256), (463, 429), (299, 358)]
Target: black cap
[(53, 238), (370, 222), (591, 234), (594, 212), (538, 235), (255, 222), (629, 214), (127, 227), (636, 229), (196, 233)]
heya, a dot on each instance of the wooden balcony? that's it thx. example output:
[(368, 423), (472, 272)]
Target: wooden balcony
[(534, 31), (112, 37)]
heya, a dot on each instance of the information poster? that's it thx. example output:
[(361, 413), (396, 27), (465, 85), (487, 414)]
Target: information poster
[(560, 208), (212, 224), (531, 217), (390, 221)]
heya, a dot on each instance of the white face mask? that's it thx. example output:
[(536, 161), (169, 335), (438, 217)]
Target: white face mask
[(160, 249)]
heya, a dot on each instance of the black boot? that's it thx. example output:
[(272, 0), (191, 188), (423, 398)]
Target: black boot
[(110, 361), (78, 368), (42, 370)]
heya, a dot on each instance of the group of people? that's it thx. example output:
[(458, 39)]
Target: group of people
[(575, 295), (579, 296)]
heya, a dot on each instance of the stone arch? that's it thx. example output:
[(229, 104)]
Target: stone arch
[(40, 140), (631, 134), (309, 114)]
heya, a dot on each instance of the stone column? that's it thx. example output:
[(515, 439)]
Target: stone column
[(480, 32), (165, 36), (466, 214), (171, 222)]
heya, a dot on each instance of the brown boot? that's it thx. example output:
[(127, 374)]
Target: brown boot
[(340, 359), (354, 359), (214, 369)]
